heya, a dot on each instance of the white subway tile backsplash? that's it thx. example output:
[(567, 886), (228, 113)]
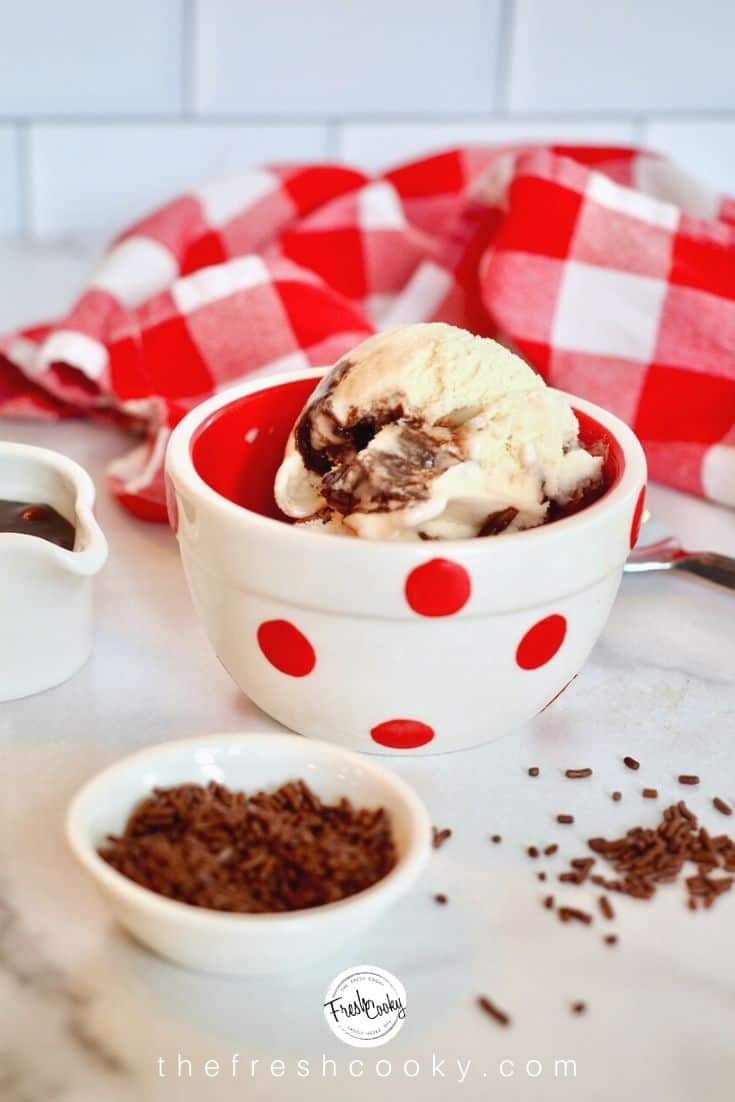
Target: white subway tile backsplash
[(705, 148), (9, 181), (109, 108), (377, 146), (114, 56), (337, 57), (582, 55), (92, 178)]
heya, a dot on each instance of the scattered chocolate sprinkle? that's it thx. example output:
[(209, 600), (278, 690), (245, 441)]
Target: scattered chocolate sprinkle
[(492, 1010), (579, 1008), (549, 902), (439, 837), (721, 806), (579, 872), (631, 762), (551, 850), (532, 851), (565, 819), (496, 838), (534, 771), (688, 778), (271, 852), (617, 796), (440, 897), (569, 914), (540, 875), (577, 774), (606, 907), (611, 939), (646, 857), (650, 793)]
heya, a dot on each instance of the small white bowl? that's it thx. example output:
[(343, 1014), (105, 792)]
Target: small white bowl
[(243, 944), (46, 623)]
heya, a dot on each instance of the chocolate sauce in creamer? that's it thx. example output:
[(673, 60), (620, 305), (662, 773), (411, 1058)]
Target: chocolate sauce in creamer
[(30, 518)]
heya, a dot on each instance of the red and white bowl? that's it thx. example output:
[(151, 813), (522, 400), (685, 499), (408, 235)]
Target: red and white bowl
[(419, 647)]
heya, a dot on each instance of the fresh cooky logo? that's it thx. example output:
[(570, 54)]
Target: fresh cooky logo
[(365, 1006)]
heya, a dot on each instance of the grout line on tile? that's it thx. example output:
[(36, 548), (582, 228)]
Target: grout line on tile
[(188, 56), (244, 119), (366, 119), (640, 129), (506, 25), (24, 172)]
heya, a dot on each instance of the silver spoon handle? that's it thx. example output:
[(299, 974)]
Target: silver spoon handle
[(710, 565)]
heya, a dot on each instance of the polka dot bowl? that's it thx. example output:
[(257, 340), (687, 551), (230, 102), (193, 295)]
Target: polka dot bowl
[(388, 647)]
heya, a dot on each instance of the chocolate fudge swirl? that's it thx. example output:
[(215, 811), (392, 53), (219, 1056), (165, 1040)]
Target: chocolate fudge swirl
[(357, 479), (377, 480), (322, 440)]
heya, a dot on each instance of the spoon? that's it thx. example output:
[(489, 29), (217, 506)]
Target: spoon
[(659, 549)]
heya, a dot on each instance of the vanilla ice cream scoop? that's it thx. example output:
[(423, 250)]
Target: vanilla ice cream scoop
[(430, 432)]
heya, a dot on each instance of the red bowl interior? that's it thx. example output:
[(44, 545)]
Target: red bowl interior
[(239, 447)]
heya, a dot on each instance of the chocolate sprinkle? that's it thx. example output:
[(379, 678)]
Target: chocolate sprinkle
[(579, 1007), (492, 1010), (650, 793), (606, 907), (549, 902), (688, 778), (577, 774), (646, 857), (721, 806), (569, 914), (617, 796), (611, 939), (441, 898), (631, 762), (532, 851), (565, 819), (496, 838), (439, 837), (580, 871), (534, 771), (270, 852), (551, 850)]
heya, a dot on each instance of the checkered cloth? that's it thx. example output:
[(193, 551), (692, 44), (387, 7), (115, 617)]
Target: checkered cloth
[(609, 270)]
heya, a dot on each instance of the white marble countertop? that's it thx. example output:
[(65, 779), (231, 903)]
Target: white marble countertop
[(85, 1014)]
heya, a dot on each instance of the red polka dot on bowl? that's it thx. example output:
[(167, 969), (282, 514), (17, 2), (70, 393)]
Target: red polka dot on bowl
[(438, 588), (402, 734), (286, 648), (541, 642)]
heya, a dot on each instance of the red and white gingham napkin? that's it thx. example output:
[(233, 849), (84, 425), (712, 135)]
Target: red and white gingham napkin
[(609, 270)]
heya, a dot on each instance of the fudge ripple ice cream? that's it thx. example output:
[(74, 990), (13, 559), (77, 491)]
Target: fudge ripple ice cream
[(429, 432)]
